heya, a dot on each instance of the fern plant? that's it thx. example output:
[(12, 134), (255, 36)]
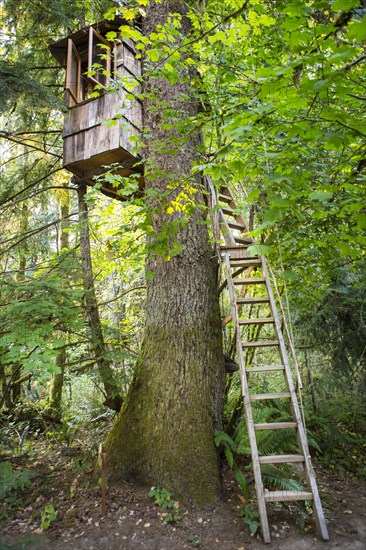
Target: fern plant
[(230, 448), (279, 477)]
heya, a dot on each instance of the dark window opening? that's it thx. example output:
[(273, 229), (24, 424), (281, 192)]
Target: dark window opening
[(88, 66)]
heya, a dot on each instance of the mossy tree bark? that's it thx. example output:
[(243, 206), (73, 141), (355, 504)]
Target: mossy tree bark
[(165, 434)]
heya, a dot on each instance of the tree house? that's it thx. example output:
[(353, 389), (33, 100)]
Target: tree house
[(104, 110)]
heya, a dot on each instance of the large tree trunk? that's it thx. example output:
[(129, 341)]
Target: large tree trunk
[(113, 399), (165, 434)]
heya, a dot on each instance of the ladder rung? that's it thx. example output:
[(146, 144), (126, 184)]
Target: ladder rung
[(235, 252), (225, 198), (243, 240), (235, 225), (260, 344), (249, 281), (275, 426), (281, 459), (233, 249), (227, 210), (256, 321), (247, 262), (278, 496), (258, 300), (260, 396), (265, 368)]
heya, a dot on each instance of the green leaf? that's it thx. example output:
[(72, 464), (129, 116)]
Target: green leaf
[(48, 516), (153, 55), (356, 30), (229, 456), (259, 249), (254, 194), (345, 5), (360, 218), (320, 195), (169, 67), (242, 482)]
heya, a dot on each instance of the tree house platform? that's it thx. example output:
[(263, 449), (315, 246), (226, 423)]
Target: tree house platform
[(102, 88)]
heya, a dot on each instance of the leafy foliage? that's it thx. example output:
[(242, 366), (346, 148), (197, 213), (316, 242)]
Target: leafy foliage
[(11, 480), (27, 330), (251, 518), (230, 448), (339, 423), (164, 500), (48, 516)]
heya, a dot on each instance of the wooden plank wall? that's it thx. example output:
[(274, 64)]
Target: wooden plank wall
[(85, 133)]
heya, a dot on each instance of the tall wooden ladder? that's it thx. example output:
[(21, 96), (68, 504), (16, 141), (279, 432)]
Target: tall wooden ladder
[(250, 292)]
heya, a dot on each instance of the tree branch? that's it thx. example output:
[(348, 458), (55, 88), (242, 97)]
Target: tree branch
[(203, 35), (7, 136), (31, 233), (31, 185)]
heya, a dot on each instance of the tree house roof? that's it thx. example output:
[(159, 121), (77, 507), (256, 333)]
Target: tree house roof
[(59, 49)]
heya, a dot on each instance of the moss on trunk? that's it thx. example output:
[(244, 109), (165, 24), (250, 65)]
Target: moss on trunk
[(164, 434), (57, 384)]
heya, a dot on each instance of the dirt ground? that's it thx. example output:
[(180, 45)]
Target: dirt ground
[(132, 521)]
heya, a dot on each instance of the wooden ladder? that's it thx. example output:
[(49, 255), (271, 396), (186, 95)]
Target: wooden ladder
[(256, 294)]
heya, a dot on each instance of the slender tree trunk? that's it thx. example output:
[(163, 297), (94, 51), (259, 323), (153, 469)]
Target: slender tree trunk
[(310, 382), (113, 399), (16, 370), (5, 401), (165, 434), (57, 381), (57, 384)]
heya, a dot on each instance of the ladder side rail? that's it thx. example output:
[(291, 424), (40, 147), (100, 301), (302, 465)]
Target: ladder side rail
[(214, 214), (318, 509), (284, 357), (238, 217), (248, 409), (226, 231), (289, 338)]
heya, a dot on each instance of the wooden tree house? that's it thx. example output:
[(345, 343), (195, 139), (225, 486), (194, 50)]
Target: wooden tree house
[(101, 86)]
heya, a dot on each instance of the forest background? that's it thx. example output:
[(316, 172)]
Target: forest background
[(282, 87)]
